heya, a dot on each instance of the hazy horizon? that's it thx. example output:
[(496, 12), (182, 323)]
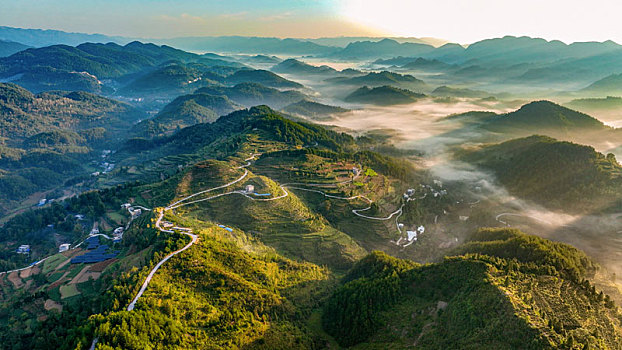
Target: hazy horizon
[(450, 20)]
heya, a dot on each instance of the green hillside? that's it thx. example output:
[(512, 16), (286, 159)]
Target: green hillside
[(263, 77), (252, 94), (293, 66), (383, 78), (560, 175), (313, 109), (62, 67), (547, 116), (185, 111), (171, 79), (383, 96), (502, 290)]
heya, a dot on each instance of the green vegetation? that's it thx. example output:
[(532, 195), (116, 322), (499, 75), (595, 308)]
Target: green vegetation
[(56, 67), (252, 94), (186, 111), (383, 78), (383, 96), (502, 291), (171, 79), (293, 66), (542, 116), (560, 175), (262, 77), (312, 109)]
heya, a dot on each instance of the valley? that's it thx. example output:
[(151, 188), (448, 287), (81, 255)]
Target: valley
[(304, 195)]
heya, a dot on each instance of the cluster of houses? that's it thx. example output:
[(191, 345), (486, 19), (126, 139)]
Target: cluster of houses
[(108, 167)]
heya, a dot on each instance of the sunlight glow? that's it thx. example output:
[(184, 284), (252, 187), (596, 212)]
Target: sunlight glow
[(472, 20)]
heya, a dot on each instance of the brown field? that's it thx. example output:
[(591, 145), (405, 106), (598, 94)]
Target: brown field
[(79, 275), (52, 305), (14, 278), (100, 266), (29, 272), (84, 275)]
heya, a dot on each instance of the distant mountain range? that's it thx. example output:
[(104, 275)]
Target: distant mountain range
[(47, 37)]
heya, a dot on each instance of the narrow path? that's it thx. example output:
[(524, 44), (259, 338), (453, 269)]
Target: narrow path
[(194, 239)]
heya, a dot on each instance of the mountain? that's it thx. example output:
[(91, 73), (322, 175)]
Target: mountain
[(23, 114), (611, 84), (374, 79), (251, 94), (503, 289), (313, 109), (48, 68), (289, 272), (432, 65), (385, 48), (383, 96), (542, 116), (260, 59), (559, 175), (47, 37), (7, 48), (172, 79), (343, 41), (249, 45), (580, 71), (263, 77), (293, 66), (185, 111), (511, 50)]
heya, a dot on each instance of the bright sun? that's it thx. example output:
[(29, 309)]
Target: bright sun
[(467, 21)]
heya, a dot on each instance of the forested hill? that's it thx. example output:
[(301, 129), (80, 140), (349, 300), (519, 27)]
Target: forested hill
[(186, 110), (560, 175), (544, 116), (23, 114), (261, 118), (383, 96), (84, 67), (502, 290)]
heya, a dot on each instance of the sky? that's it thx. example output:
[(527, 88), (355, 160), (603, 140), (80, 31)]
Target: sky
[(463, 21)]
